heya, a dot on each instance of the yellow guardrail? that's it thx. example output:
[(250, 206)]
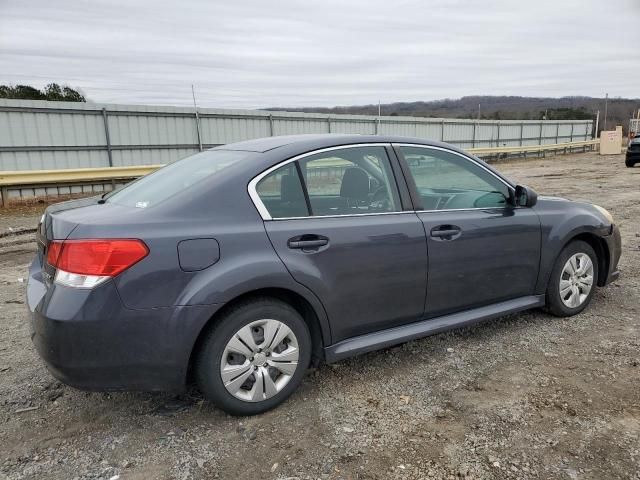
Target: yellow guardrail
[(86, 175), (531, 148), (38, 177)]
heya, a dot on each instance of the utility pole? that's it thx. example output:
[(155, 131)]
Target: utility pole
[(606, 105), (195, 108), (597, 133)]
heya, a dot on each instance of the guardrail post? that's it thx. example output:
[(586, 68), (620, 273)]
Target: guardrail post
[(557, 133), (4, 196), (377, 123), (442, 131), (270, 125), (329, 124), (106, 135), (498, 135), (473, 143)]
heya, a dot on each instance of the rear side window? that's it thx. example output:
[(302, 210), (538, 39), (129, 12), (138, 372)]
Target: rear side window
[(176, 177), (350, 181), (346, 181), (282, 194)]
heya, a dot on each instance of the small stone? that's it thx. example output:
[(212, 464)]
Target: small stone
[(450, 350), (496, 464), (347, 429), (274, 467)]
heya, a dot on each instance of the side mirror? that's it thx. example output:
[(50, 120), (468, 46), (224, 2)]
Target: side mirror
[(525, 196)]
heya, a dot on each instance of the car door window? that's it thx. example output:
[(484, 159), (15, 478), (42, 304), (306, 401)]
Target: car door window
[(350, 181), (448, 181), (282, 194)]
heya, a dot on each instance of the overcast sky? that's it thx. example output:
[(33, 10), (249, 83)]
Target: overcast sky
[(257, 53)]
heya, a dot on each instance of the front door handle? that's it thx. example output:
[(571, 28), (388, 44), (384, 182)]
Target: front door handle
[(446, 232), (305, 242)]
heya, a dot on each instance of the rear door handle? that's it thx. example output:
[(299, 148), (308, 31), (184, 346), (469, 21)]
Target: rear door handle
[(446, 232), (307, 242)]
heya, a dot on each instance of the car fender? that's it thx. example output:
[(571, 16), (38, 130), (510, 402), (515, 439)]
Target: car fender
[(562, 221)]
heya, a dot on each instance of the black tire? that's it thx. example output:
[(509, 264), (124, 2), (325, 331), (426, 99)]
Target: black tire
[(629, 163), (209, 358), (554, 303)]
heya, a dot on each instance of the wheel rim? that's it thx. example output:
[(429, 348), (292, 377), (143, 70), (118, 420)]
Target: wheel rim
[(576, 280), (259, 360)]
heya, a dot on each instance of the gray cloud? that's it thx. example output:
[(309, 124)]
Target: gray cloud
[(254, 53)]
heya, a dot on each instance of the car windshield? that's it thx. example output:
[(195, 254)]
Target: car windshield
[(176, 177)]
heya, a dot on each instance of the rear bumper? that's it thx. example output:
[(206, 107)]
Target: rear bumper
[(89, 340)]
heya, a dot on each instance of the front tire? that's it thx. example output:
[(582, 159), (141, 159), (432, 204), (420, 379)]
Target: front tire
[(254, 357), (573, 280), (629, 163)]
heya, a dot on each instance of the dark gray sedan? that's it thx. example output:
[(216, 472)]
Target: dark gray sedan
[(240, 266)]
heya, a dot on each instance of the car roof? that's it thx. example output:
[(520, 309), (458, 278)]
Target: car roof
[(326, 140)]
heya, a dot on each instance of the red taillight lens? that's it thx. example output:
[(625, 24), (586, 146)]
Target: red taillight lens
[(53, 252), (96, 257)]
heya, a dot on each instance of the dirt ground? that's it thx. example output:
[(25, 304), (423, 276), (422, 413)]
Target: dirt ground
[(526, 396)]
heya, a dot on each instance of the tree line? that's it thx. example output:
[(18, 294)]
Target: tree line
[(52, 92)]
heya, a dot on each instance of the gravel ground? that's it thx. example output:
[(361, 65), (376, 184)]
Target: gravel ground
[(525, 396)]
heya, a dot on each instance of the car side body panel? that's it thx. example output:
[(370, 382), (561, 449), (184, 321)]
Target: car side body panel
[(371, 275)]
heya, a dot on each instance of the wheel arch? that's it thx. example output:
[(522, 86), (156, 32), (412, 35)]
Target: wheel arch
[(319, 335), (602, 253), (599, 247)]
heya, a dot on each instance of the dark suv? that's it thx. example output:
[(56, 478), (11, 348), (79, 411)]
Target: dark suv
[(633, 152), (239, 266)]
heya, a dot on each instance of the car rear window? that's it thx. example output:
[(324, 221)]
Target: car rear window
[(176, 177)]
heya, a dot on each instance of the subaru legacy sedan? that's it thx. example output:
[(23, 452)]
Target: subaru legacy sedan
[(239, 267)]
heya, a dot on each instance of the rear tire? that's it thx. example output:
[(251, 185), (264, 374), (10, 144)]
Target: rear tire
[(629, 163), (254, 357), (573, 280)]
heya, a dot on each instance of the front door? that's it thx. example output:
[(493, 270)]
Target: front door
[(338, 226), (482, 248)]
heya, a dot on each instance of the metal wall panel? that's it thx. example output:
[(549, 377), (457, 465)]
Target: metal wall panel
[(47, 160), (38, 135), (150, 156), (301, 126), (367, 127)]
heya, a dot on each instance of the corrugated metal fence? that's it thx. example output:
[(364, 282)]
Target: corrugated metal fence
[(39, 135)]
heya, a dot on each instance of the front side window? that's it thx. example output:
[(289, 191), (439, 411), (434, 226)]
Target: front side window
[(346, 181), (447, 181)]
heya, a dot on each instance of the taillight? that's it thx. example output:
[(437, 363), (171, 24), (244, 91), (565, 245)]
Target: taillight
[(87, 263)]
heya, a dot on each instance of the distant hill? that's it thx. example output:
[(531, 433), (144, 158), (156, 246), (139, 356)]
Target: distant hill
[(620, 110)]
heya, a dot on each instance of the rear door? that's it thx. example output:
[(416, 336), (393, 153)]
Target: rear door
[(482, 249), (336, 220)]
